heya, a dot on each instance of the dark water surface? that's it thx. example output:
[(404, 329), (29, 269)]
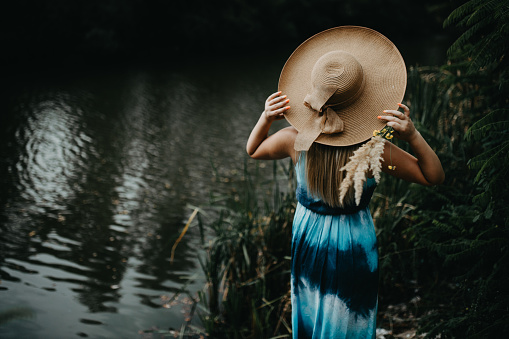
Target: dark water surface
[(98, 169)]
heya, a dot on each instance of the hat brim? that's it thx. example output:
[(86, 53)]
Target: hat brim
[(385, 81)]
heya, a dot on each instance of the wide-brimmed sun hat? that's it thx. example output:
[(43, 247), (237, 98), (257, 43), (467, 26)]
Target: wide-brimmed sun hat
[(338, 82)]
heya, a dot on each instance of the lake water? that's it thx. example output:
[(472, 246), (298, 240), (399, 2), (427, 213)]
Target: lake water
[(99, 172)]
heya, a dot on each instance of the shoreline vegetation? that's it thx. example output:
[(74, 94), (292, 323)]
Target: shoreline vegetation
[(444, 250)]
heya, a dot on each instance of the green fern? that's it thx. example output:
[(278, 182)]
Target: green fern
[(488, 162), (458, 14), (485, 38), (496, 122)]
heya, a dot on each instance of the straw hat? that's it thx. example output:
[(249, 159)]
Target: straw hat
[(339, 81)]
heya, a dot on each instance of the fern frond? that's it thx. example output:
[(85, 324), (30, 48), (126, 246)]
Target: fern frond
[(482, 198), (445, 228), (464, 38), (474, 248), (476, 162), (487, 51), (497, 120), (483, 12), (461, 12), (487, 23), (497, 155)]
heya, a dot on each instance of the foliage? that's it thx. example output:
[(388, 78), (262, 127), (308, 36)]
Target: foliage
[(486, 30), (450, 244), (470, 233), (408, 269), (247, 265)]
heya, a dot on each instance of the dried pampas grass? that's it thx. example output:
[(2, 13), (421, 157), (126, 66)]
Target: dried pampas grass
[(366, 158)]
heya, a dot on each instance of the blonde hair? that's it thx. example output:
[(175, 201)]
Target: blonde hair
[(324, 173)]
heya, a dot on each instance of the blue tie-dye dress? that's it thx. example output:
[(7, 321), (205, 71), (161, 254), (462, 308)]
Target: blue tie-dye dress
[(334, 267)]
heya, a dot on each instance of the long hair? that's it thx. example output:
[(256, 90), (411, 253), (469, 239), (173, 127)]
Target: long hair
[(323, 175)]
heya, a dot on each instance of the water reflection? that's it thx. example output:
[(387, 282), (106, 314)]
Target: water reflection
[(97, 171)]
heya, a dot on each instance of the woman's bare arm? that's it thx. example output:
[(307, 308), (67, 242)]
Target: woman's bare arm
[(425, 167), (279, 145)]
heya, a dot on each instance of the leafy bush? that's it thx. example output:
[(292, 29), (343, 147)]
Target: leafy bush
[(462, 226)]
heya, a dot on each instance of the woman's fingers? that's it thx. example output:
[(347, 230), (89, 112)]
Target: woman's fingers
[(398, 114), (395, 114), (282, 110), (278, 99), (394, 124), (400, 121), (275, 106), (282, 102), (273, 95), (389, 118), (406, 110)]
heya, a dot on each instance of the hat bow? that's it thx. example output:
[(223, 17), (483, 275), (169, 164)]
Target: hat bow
[(337, 80)]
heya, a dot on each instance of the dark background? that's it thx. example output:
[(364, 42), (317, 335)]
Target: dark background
[(62, 32)]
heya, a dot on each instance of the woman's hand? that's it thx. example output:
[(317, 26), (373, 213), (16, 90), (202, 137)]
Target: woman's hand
[(280, 144), (401, 123), (275, 106), (425, 168)]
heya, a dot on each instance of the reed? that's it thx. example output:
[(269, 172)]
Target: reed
[(247, 266)]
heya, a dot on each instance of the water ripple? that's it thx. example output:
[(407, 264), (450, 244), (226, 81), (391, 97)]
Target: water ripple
[(98, 173), (52, 151)]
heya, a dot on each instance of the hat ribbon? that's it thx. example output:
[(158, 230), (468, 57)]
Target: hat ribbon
[(326, 121)]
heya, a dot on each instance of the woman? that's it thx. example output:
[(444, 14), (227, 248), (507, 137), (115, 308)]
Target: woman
[(341, 84)]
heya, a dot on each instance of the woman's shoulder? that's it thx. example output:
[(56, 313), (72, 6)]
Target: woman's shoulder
[(290, 131), (286, 138), (287, 135)]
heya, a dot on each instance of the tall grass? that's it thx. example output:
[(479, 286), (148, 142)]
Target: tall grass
[(247, 266)]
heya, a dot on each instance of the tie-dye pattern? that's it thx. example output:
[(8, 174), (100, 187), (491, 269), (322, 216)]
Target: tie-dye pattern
[(334, 272)]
